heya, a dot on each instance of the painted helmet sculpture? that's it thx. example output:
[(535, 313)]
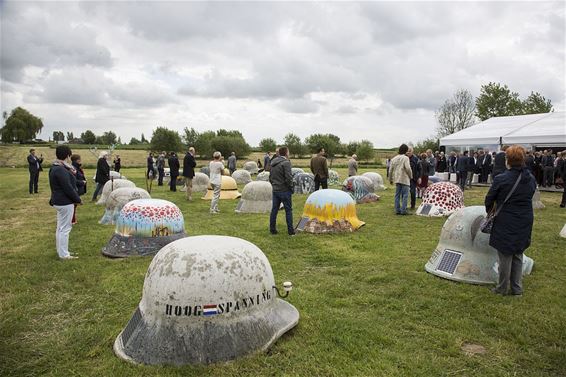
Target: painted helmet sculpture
[(200, 182), (206, 299), (256, 198), (329, 211), (251, 167), (303, 183), (333, 177), (242, 177), (295, 171), (112, 185), (376, 180), (263, 176), (118, 199), (205, 170), (537, 202), (441, 199), (360, 189), (228, 187), (143, 227), (463, 252)]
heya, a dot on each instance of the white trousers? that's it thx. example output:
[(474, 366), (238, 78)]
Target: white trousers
[(64, 226), (215, 197)]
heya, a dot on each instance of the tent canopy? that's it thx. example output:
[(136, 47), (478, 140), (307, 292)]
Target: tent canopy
[(534, 129)]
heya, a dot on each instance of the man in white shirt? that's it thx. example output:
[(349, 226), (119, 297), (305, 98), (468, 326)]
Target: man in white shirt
[(401, 174), (216, 169)]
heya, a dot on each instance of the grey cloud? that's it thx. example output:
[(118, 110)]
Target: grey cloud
[(299, 106)]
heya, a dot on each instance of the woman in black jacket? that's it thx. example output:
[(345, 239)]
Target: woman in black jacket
[(102, 174), (64, 197), (512, 227), (81, 180)]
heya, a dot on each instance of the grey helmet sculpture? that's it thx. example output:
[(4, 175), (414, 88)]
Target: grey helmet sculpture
[(333, 177), (256, 198), (242, 177), (463, 252), (303, 183), (206, 299), (143, 227), (205, 170), (118, 199), (263, 176), (112, 185), (563, 232), (537, 202), (376, 180), (251, 167), (295, 171), (200, 182), (360, 188), (113, 175)]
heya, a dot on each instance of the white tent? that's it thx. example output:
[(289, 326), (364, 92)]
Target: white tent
[(548, 129)]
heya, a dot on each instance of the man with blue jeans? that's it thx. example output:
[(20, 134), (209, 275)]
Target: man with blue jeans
[(401, 174), (281, 180)]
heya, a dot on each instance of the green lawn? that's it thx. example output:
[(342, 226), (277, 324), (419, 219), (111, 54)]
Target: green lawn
[(367, 306)]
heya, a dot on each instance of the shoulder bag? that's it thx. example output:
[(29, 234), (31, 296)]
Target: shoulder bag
[(487, 222)]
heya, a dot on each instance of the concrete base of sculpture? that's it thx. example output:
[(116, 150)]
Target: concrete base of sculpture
[(537, 202), (129, 246), (315, 226), (563, 232)]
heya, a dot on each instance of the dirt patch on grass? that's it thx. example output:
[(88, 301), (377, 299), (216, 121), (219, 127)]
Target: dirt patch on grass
[(471, 349)]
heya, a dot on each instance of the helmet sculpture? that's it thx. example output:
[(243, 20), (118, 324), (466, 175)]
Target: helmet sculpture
[(143, 227), (256, 198), (563, 232), (360, 189), (463, 252), (113, 175), (434, 179), (205, 170), (263, 176), (303, 183), (376, 180), (200, 182), (295, 171), (329, 211), (251, 167), (229, 189), (117, 199), (242, 177), (441, 199), (333, 177), (112, 185), (537, 202), (206, 299)]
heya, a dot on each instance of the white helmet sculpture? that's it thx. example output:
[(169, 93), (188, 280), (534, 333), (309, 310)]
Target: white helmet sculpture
[(295, 171), (113, 175), (376, 180), (118, 199), (256, 198), (537, 202), (360, 188), (463, 253), (242, 177), (143, 227), (263, 176), (333, 177), (112, 185), (206, 299), (200, 182), (563, 232), (251, 167), (441, 199)]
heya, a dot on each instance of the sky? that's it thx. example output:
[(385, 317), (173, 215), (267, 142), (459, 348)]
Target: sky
[(369, 70)]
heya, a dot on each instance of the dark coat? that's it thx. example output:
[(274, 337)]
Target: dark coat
[(189, 165), (415, 167), (461, 164), (81, 179), (34, 163), (530, 163), (441, 164), (319, 167), (499, 163), (486, 162), (280, 176), (102, 171), (173, 166), (562, 169), (512, 227), (63, 186)]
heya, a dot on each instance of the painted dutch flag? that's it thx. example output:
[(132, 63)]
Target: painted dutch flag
[(209, 310)]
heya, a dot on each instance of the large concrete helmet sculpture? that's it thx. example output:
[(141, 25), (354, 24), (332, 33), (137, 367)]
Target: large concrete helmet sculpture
[(205, 170), (441, 199), (537, 202), (295, 171), (251, 167), (563, 232), (333, 177), (206, 299), (118, 199), (228, 187), (263, 176), (200, 182), (376, 180), (463, 252), (242, 177), (329, 211), (360, 189), (256, 198), (303, 183), (112, 185), (143, 227)]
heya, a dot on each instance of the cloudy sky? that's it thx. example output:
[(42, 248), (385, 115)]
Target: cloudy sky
[(372, 70)]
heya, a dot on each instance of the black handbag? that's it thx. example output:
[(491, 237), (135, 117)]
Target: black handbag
[(487, 222)]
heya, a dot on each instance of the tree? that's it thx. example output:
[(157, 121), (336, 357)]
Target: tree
[(536, 104), (20, 126), (330, 143), (119, 140), (190, 136), (431, 143), (496, 100), (70, 137), (58, 136), (234, 133), (365, 150), (88, 137), (267, 145), (143, 139), (108, 138), (456, 113), (164, 139), (134, 141), (203, 144), (296, 147), (351, 147), (228, 144)]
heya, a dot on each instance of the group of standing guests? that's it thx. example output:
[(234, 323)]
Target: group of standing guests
[(156, 168)]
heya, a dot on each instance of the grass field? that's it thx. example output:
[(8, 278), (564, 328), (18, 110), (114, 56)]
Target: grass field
[(367, 306)]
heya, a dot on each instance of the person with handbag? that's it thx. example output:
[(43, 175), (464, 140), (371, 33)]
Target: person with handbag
[(509, 203)]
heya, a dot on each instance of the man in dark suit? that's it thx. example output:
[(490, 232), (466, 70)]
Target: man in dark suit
[(173, 171), (499, 163), (102, 174), (485, 166), (34, 167), (189, 165), (548, 169), (462, 169)]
